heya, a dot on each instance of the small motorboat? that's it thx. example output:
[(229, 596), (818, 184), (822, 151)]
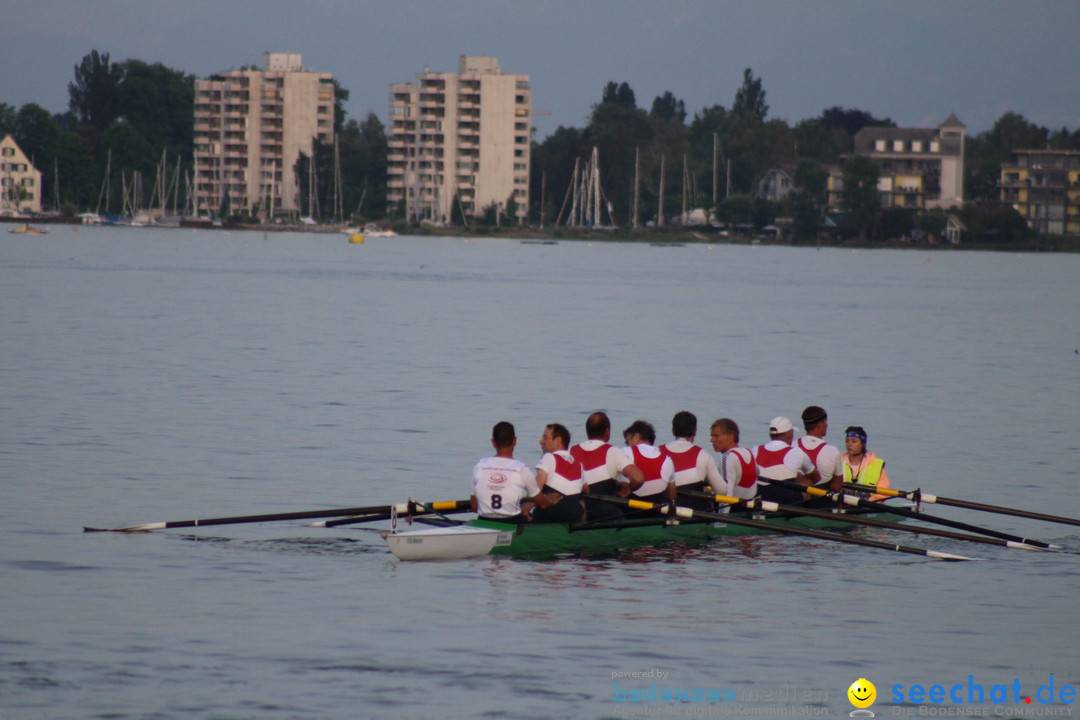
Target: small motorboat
[(28, 229)]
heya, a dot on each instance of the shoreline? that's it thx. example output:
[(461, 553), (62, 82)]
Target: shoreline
[(674, 236)]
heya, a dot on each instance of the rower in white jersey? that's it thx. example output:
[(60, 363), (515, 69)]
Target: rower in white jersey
[(500, 482), (695, 468), (826, 457)]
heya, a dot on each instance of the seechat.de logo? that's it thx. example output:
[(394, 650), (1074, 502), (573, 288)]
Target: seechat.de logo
[(862, 695)]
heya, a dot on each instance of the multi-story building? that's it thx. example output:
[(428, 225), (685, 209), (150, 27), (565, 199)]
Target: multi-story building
[(251, 126), (921, 168), (20, 181), (1044, 187), (460, 139)]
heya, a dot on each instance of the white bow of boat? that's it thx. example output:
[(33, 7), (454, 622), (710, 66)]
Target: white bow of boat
[(453, 542)]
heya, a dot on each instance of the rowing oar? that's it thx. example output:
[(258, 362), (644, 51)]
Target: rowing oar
[(763, 525), (768, 506), (351, 520), (920, 496), (419, 509), (845, 499), (403, 508)]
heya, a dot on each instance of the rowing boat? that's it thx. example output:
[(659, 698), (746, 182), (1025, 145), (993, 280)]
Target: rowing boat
[(550, 540)]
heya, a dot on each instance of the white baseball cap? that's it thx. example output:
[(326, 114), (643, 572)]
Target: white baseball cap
[(779, 425)]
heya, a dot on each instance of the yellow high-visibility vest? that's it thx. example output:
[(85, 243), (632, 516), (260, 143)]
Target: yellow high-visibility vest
[(869, 475)]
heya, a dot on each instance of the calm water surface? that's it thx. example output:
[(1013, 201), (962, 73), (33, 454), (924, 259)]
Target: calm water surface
[(169, 374)]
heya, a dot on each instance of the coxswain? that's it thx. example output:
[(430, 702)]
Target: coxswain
[(500, 482), (605, 469), (862, 467), (778, 460), (559, 476)]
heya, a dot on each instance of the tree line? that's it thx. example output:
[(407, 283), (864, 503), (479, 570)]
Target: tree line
[(724, 153), (130, 115)]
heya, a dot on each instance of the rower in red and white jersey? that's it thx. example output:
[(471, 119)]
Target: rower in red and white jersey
[(737, 466), (826, 457), (559, 475), (657, 468), (606, 469), (778, 460), (695, 469)]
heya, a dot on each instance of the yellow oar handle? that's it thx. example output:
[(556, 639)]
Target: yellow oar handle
[(445, 505), (888, 492)]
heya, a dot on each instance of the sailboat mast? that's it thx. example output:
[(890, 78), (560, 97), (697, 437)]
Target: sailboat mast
[(596, 187), (637, 186), (685, 182), (660, 211), (715, 173)]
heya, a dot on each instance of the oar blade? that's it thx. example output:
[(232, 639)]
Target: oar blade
[(950, 557), (133, 529)]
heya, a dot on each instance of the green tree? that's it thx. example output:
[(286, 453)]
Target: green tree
[(363, 147), (341, 96), (552, 169), (995, 225), (668, 107), (616, 129), (750, 98), (832, 134), (734, 211), (36, 133), (859, 197), (988, 151), (897, 222), (619, 94), (933, 223), (8, 119), (1064, 140), (79, 175), (711, 122), (159, 103), (807, 200), (510, 210), (94, 92)]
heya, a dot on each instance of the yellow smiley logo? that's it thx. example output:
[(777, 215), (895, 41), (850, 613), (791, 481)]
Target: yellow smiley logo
[(862, 693)]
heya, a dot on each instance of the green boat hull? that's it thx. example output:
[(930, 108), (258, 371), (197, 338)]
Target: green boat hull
[(547, 540)]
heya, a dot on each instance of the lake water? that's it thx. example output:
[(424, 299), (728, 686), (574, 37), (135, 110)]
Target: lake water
[(152, 374)]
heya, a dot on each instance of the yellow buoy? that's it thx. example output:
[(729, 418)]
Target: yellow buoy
[(356, 238)]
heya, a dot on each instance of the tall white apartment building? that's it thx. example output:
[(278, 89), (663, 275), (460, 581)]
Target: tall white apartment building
[(460, 139), (250, 128)]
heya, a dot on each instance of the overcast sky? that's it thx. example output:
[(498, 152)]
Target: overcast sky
[(914, 61)]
